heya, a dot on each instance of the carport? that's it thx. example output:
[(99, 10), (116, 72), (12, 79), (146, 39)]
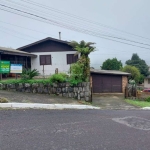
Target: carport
[(16, 57), (108, 81)]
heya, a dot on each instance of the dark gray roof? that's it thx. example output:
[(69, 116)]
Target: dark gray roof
[(43, 40), (11, 51), (115, 72)]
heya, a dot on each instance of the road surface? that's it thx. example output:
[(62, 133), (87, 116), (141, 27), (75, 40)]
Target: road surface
[(74, 130)]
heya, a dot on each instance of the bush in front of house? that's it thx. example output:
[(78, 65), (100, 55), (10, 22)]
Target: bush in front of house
[(147, 99), (58, 78), (29, 74), (3, 100)]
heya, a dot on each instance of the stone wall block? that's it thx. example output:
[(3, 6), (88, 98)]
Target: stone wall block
[(45, 90), (76, 89), (40, 90), (70, 89), (88, 84), (35, 85), (70, 94), (58, 90), (83, 84), (28, 89), (86, 88), (11, 86), (87, 94), (79, 84), (67, 84), (79, 97), (80, 89), (53, 90), (64, 90), (27, 85), (82, 94), (55, 85), (87, 99), (34, 90), (41, 85), (75, 95), (65, 94)]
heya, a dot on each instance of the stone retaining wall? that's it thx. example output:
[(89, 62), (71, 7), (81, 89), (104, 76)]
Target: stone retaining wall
[(81, 91)]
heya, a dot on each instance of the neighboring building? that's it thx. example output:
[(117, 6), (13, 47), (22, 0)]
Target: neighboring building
[(109, 81), (52, 54), (147, 82), (16, 57)]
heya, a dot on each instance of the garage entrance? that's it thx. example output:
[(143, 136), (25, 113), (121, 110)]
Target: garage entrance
[(105, 83)]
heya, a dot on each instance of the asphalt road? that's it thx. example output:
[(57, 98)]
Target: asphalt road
[(74, 130)]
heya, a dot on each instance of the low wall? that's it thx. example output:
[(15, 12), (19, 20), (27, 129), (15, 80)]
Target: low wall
[(81, 91)]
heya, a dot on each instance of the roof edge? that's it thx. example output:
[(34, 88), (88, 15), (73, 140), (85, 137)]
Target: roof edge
[(43, 40)]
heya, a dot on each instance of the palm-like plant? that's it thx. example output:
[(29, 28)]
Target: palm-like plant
[(84, 49)]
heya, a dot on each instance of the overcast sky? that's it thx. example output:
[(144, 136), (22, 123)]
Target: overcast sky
[(130, 16)]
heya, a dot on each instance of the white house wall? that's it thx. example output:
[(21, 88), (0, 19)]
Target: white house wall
[(58, 59)]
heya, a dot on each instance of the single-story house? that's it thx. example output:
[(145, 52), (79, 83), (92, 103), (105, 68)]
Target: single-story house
[(108, 81), (52, 54), (147, 82)]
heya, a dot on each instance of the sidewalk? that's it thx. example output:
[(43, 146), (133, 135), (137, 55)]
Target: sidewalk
[(45, 106)]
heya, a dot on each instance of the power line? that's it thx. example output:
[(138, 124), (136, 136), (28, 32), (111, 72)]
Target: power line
[(65, 26), (15, 35), (110, 36), (72, 28), (78, 17), (18, 32), (70, 21)]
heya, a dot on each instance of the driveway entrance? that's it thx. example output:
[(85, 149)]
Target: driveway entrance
[(111, 101)]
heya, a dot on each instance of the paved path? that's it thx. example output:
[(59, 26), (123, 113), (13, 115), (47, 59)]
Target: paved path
[(22, 97), (74, 130), (111, 102)]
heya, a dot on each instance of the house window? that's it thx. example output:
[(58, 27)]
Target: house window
[(148, 81), (45, 60), (71, 58)]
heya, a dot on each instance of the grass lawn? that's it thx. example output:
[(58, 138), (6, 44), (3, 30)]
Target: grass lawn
[(138, 103)]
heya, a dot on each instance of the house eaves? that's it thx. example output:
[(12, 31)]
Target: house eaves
[(10, 51)]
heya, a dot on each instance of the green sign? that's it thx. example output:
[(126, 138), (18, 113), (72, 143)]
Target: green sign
[(4, 66)]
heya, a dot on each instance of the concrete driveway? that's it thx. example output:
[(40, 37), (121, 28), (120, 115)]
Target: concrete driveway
[(111, 101)]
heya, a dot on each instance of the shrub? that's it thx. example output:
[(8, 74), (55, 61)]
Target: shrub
[(3, 100), (147, 99), (29, 74), (76, 71), (58, 78)]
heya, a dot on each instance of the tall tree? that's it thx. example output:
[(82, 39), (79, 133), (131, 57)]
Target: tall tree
[(84, 49), (111, 64), (139, 63)]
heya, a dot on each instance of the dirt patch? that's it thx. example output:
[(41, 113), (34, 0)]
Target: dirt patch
[(20, 97)]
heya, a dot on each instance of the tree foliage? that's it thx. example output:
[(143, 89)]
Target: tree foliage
[(111, 64), (84, 49), (135, 73), (139, 63)]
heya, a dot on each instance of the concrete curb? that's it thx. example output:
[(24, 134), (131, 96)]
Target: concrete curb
[(45, 106), (145, 108)]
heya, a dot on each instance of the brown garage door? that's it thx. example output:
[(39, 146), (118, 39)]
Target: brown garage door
[(106, 83)]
